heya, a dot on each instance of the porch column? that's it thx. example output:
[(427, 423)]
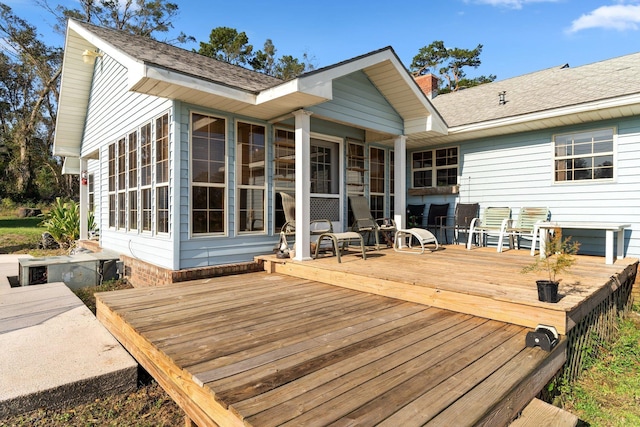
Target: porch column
[(303, 184), (400, 178), (84, 199)]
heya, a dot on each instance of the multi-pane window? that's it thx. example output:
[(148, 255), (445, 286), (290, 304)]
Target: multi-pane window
[(321, 169), (376, 182), (208, 179), (122, 183), (145, 176), (284, 159), (355, 167), (250, 154), (392, 182), (162, 174), (112, 185), (92, 192), (435, 168), (133, 181), (584, 156)]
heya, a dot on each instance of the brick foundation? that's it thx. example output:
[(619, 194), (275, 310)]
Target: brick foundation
[(143, 274)]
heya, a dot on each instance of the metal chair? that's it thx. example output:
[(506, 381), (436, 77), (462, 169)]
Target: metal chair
[(493, 222), (437, 219)]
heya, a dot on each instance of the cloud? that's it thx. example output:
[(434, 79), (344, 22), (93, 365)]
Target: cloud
[(512, 4), (619, 17)]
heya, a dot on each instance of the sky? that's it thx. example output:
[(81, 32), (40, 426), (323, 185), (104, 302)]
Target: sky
[(518, 36)]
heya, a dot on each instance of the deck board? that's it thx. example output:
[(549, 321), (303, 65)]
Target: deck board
[(396, 339)]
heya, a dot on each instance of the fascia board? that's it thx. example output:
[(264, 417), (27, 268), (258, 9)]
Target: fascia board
[(318, 89), (424, 124), (550, 114), (162, 74)]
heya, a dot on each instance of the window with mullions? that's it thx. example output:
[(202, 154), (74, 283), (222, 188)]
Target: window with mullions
[(208, 174), (376, 182), (133, 181), (145, 176), (250, 161), (112, 185), (435, 168), (162, 173), (584, 156), (122, 183)]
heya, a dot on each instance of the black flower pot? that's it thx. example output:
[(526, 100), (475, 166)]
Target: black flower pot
[(547, 291)]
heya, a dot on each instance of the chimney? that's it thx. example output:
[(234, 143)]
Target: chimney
[(429, 84)]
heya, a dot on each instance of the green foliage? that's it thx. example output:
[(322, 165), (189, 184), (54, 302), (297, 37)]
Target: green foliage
[(228, 45), (449, 64), (558, 257), (63, 222)]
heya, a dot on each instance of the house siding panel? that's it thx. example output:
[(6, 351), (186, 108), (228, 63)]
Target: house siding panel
[(356, 100), (113, 112)]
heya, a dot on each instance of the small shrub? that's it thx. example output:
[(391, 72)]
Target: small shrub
[(558, 257), (63, 222)]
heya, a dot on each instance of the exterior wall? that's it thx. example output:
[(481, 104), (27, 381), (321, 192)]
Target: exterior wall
[(356, 100), (517, 171), (114, 112)]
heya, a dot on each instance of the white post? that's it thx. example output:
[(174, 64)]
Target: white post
[(400, 177), (84, 199), (303, 184)]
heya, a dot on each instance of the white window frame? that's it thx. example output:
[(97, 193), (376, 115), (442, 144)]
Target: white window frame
[(612, 153), (435, 168), (224, 186), (240, 186), (163, 184), (146, 187)]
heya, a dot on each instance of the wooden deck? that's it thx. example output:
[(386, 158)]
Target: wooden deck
[(266, 349), (479, 282)]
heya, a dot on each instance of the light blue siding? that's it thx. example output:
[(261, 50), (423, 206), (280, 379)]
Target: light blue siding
[(517, 171), (113, 112), (356, 100)]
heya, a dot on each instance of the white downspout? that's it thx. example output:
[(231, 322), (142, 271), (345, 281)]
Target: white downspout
[(303, 184)]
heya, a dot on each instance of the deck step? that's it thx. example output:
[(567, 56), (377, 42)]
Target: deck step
[(539, 413)]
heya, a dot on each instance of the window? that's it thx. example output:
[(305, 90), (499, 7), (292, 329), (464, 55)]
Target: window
[(376, 182), (133, 181), (284, 158), (324, 166), (145, 176), (584, 156), (92, 192), (355, 168), (122, 182), (162, 174), (112, 185), (250, 151), (435, 168), (208, 179)]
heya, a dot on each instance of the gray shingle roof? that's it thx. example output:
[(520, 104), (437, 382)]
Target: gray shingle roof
[(544, 90), (183, 61)]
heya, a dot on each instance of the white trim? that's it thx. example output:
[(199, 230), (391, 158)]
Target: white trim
[(225, 218)]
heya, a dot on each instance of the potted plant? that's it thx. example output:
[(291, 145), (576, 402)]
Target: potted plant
[(558, 257)]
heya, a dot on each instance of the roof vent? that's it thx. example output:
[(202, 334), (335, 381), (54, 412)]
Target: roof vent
[(502, 97)]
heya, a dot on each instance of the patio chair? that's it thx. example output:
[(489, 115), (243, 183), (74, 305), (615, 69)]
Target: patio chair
[(492, 223), (415, 216), (437, 219), (317, 227), (462, 217), (363, 222), (525, 226)]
